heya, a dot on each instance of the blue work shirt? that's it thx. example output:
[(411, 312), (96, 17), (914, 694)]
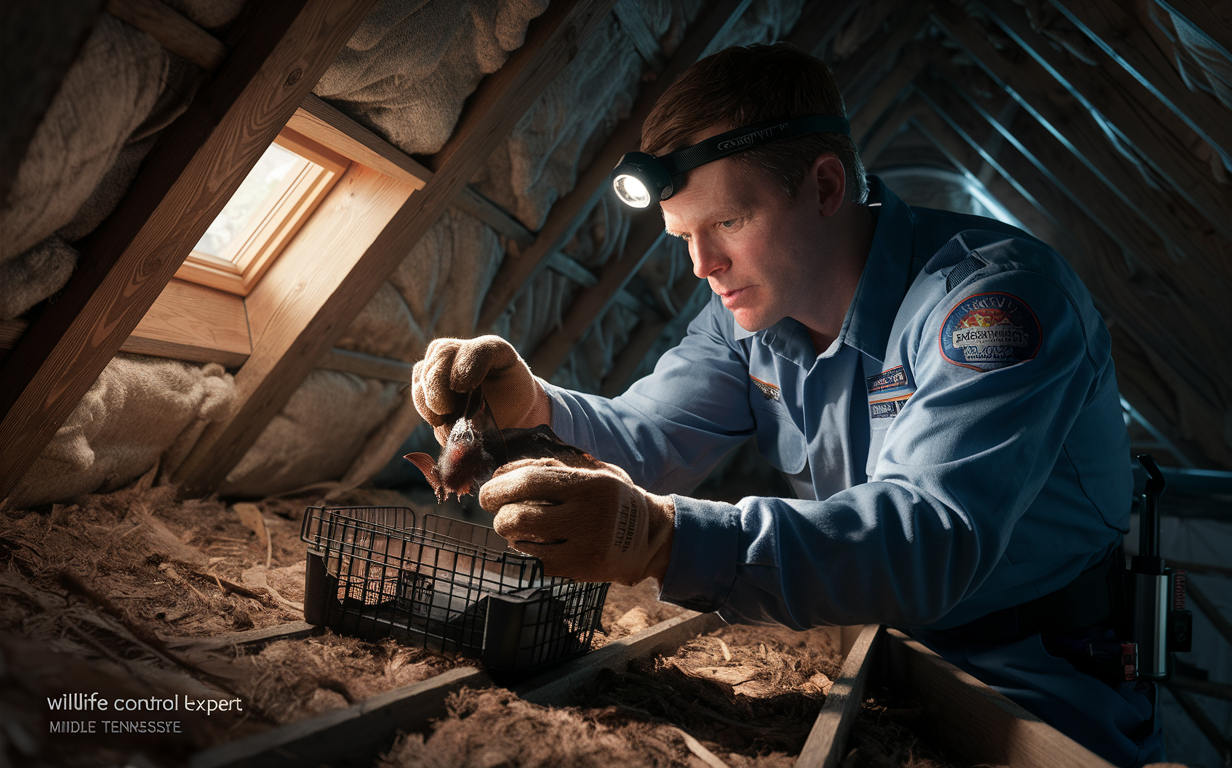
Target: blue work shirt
[(958, 449)]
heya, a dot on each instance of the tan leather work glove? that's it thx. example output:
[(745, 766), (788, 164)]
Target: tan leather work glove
[(585, 524), (453, 368)]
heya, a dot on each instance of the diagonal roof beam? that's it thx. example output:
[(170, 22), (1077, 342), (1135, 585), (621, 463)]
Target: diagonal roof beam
[(301, 324), (1026, 81), (1124, 39), (188, 176), (1131, 112), (566, 214)]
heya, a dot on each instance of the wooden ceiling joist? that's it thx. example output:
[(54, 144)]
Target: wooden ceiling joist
[(1132, 111), (568, 211), (1056, 111), (35, 55), (301, 328), (1126, 40), (1152, 317), (185, 181)]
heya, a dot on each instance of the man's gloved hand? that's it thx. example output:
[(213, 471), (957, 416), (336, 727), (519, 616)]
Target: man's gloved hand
[(585, 524), (453, 368)]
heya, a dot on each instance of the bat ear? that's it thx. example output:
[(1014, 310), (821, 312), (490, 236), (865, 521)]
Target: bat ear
[(427, 466)]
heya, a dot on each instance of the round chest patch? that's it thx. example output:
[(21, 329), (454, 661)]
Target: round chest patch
[(990, 331)]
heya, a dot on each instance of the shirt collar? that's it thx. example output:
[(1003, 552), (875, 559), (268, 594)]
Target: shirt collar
[(882, 285), (886, 276)]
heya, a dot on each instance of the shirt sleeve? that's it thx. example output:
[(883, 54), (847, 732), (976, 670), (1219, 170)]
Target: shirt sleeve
[(672, 427), (961, 462)]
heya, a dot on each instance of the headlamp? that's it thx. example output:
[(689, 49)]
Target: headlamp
[(641, 179)]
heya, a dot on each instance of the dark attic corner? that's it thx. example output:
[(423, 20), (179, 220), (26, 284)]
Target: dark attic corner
[(230, 229)]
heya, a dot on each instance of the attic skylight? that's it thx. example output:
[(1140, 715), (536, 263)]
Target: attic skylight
[(273, 202)]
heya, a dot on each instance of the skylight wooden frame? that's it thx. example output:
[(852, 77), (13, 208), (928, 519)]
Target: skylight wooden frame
[(279, 219)]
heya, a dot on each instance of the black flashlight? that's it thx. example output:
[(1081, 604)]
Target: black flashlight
[(641, 179)]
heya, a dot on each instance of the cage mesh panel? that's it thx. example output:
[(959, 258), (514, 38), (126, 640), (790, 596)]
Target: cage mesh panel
[(429, 580)]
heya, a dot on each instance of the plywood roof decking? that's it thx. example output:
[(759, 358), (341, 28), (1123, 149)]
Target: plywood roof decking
[(1155, 251)]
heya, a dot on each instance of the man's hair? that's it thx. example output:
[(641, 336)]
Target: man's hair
[(742, 86)]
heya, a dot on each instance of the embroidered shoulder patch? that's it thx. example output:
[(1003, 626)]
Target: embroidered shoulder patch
[(990, 331), (768, 390)]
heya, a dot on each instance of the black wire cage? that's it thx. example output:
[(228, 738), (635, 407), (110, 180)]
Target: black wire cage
[(444, 584)]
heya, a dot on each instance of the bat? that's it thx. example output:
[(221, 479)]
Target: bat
[(476, 448)]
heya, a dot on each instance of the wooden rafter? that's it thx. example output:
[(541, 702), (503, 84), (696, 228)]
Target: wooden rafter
[(301, 327), (38, 44), (969, 160), (1153, 318), (188, 176), (1028, 82), (1132, 111), (1127, 42), (568, 211)]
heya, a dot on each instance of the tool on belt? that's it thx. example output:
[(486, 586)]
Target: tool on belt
[(1160, 625)]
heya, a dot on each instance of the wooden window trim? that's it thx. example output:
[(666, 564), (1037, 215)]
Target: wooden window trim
[(275, 224)]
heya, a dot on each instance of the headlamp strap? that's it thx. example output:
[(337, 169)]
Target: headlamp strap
[(750, 137)]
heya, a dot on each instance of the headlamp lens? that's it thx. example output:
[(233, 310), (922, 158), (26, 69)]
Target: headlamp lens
[(631, 190)]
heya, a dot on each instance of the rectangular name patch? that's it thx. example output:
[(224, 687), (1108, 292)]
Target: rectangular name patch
[(888, 392)]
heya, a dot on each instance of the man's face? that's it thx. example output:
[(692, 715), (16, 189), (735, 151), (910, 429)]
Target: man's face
[(760, 253)]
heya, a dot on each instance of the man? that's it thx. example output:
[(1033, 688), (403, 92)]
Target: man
[(938, 389)]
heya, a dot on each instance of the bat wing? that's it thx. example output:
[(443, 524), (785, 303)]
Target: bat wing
[(427, 465)]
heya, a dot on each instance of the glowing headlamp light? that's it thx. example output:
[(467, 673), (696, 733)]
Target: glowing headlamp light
[(641, 179)]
